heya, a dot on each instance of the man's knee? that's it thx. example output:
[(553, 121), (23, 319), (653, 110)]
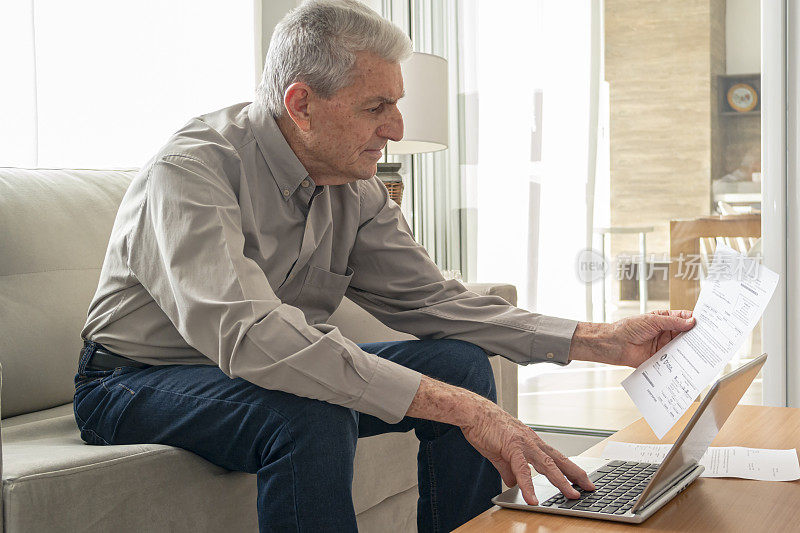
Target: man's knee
[(469, 367), (313, 450), (324, 416), (323, 428)]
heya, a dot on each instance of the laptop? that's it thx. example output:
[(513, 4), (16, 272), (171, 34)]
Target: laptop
[(632, 491)]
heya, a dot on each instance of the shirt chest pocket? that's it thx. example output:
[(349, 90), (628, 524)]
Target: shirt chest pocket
[(321, 293)]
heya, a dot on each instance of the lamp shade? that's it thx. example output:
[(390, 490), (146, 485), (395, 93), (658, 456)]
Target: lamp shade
[(424, 106)]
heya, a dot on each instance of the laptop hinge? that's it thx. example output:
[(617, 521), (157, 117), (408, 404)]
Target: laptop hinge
[(652, 499)]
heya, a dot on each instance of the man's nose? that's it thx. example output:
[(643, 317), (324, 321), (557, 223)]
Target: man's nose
[(392, 129)]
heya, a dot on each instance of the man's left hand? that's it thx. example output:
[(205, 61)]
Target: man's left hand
[(630, 341)]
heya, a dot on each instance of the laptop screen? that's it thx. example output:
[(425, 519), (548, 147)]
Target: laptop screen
[(696, 437)]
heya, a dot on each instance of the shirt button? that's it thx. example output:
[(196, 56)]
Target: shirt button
[(305, 183), (286, 192), (550, 355)]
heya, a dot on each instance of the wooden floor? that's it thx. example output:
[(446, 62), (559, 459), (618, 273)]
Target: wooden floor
[(588, 395)]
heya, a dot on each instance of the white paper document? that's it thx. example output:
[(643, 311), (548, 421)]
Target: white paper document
[(727, 461), (729, 306)]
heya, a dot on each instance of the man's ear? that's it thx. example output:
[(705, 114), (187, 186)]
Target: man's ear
[(296, 99)]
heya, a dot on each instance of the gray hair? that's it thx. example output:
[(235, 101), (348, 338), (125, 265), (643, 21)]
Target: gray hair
[(316, 43)]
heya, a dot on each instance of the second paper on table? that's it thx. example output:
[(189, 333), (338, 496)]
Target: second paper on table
[(730, 304), (726, 461)]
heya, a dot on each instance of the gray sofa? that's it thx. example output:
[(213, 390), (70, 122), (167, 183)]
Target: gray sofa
[(54, 227)]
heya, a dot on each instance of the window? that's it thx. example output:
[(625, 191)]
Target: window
[(104, 84), (601, 122)]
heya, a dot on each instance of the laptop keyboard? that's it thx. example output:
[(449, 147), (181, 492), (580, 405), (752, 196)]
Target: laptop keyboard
[(618, 485)]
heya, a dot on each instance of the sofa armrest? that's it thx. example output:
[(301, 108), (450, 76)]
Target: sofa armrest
[(505, 377), (505, 371), (504, 290)]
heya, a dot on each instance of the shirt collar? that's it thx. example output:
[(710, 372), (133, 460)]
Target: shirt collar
[(286, 169)]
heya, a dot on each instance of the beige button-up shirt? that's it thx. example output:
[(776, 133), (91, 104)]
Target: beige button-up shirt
[(225, 252)]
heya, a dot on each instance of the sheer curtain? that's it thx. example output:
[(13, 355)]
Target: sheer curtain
[(437, 184), (93, 83)]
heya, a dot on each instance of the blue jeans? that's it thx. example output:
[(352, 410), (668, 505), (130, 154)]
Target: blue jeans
[(301, 450)]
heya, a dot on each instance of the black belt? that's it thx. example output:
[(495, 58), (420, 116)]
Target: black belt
[(102, 359)]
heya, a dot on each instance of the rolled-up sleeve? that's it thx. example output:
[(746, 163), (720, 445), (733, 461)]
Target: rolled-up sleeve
[(187, 250), (397, 282)]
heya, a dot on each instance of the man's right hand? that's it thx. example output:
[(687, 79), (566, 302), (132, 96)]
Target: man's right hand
[(505, 441), (510, 445)]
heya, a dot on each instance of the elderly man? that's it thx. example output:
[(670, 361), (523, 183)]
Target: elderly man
[(237, 241)]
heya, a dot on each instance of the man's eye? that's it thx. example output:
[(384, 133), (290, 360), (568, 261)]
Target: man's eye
[(375, 109)]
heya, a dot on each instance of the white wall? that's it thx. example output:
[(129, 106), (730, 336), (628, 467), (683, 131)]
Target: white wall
[(269, 12), (743, 36), (18, 146)]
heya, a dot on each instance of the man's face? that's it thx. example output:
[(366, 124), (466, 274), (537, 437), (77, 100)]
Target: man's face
[(349, 130)]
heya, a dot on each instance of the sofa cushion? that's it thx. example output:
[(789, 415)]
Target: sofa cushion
[(56, 225), (151, 487)]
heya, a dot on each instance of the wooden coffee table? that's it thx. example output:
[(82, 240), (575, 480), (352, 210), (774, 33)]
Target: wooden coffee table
[(708, 504)]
